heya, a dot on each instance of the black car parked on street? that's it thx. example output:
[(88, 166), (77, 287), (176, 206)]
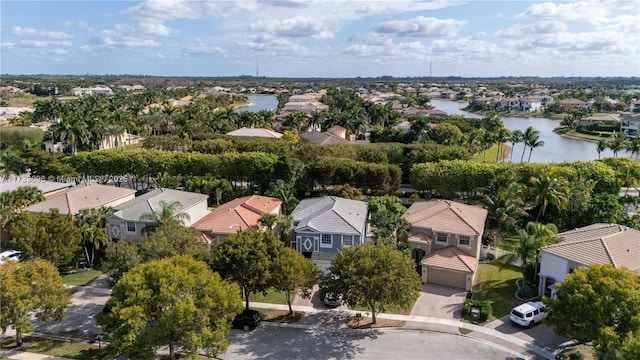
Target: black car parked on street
[(247, 320)]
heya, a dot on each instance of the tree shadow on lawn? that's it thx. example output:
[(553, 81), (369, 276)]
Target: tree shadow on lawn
[(295, 343)]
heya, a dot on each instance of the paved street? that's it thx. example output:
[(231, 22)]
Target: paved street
[(277, 342)]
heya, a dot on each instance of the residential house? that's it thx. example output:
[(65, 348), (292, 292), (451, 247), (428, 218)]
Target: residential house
[(445, 241), (530, 104), (323, 138), (629, 124), (236, 215), (323, 225), (634, 107), (84, 196), (570, 104), (126, 222), (48, 188), (612, 244), (99, 89), (255, 132)]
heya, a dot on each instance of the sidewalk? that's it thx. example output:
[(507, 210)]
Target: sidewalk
[(23, 355), (435, 324)]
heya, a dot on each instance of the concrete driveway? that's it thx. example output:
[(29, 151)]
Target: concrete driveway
[(440, 301), (540, 335)]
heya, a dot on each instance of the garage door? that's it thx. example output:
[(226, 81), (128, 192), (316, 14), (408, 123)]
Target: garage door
[(448, 278)]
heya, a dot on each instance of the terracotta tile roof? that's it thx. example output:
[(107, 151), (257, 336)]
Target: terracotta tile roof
[(447, 216), (243, 212), (420, 237), (600, 243), (451, 258), (256, 132), (83, 196)]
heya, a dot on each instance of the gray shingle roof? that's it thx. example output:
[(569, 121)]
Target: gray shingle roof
[(330, 214), (600, 243), (150, 202)]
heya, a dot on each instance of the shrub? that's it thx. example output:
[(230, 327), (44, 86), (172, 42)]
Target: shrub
[(485, 308)]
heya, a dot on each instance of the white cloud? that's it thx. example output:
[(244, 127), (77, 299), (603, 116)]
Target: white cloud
[(542, 27), (38, 34), (467, 49), (386, 49), (112, 38), (390, 7), (44, 43), (7, 46), (67, 24), (163, 10), (298, 26), (420, 27), (160, 56), (272, 46), (594, 11), (203, 47), (144, 29)]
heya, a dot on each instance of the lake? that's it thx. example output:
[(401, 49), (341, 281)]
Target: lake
[(259, 102), (556, 148)]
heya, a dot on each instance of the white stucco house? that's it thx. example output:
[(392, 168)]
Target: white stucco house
[(612, 244)]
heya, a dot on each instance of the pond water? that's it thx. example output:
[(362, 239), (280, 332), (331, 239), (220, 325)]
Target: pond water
[(259, 102), (556, 148)]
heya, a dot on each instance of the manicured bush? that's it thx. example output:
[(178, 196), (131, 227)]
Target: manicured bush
[(485, 308)]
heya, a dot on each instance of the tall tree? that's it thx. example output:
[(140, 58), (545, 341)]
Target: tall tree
[(53, 237), (532, 139), (247, 258), (172, 239), (550, 192), (30, 288), (525, 245), (599, 304), (93, 231), (602, 146), (294, 274), (375, 275), (11, 202), (516, 137), (172, 301), (386, 218), (617, 143)]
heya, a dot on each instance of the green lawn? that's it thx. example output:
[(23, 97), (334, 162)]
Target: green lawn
[(81, 278), (498, 285), (492, 153), (58, 348), (273, 296)]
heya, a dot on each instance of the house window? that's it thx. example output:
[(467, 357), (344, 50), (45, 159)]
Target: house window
[(347, 240), (464, 240), (326, 242), (441, 238), (131, 226)]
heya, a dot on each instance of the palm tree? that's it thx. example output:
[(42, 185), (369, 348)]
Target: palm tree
[(92, 227), (531, 139), (504, 203), (525, 245), (516, 137), (284, 226), (268, 220), (168, 212), (602, 146), (73, 130), (549, 192), (502, 135), (633, 146), (617, 143)]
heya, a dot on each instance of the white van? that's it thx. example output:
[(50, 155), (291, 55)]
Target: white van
[(528, 314)]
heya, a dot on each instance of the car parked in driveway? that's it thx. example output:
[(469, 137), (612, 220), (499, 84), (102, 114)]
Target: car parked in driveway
[(248, 319), (332, 299), (9, 255), (529, 313)]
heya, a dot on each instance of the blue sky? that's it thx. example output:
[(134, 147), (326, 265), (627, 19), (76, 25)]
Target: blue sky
[(322, 38)]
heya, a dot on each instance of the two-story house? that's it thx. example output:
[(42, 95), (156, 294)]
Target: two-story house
[(612, 244), (129, 220), (323, 225), (630, 124), (445, 241)]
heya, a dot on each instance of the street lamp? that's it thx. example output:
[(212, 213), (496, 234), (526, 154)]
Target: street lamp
[(99, 339)]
